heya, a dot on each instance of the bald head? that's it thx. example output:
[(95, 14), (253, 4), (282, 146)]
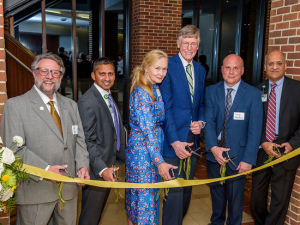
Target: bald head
[(232, 69)]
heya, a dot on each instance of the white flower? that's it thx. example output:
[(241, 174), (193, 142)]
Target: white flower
[(1, 142), (7, 194), (0, 189), (18, 140), (8, 156), (1, 170)]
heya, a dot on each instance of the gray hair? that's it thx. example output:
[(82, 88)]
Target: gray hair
[(266, 56), (189, 31), (102, 61), (51, 56)]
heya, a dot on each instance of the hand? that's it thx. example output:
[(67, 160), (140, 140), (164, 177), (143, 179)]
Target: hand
[(195, 127), (268, 147), (163, 170), (84, 174), (287, 147), (179, 148), (244, 167), (218, 154), (107, 174), (56, 168)]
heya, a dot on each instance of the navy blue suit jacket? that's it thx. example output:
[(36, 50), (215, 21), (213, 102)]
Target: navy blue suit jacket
[(242, 136), (179, 109)]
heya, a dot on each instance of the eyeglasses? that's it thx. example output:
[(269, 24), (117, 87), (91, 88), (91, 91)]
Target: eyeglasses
[(270, 64), (186, 44), (45, 72)]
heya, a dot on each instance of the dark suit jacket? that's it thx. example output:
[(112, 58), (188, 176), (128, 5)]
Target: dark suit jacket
[(100, 134), (242, 136), (289, 119), (179, 108)]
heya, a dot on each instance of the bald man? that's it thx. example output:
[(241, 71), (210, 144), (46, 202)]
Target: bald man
[(233, 115)]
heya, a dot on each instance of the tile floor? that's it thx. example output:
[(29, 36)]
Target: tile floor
[(199, 211)]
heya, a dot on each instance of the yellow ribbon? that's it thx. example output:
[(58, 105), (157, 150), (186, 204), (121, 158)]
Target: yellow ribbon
[(179, 182)]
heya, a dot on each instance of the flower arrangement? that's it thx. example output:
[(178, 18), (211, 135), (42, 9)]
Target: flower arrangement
[(11, 174)]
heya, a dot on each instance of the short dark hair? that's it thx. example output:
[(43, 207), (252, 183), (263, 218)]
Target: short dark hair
[(102, 61), (61, 49)]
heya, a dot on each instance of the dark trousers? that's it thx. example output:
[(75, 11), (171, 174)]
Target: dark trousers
[(233, 190), (176, 203), (93, 203), (282, 181)]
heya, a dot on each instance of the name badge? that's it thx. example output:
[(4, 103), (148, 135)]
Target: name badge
[(239, 116), (158, 92), (75, 129), (264, 97)]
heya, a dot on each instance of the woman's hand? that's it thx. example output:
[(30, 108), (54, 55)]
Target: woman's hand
[(163, 170)]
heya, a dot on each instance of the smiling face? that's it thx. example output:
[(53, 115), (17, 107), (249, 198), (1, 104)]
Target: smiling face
[(275, 66), (232, 69), (47, 84), (188, 47), (156, 72), (104, 76)]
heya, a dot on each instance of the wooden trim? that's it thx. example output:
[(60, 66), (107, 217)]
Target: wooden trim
[(18, 61)]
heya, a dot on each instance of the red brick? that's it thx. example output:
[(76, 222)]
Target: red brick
[(271, 41), (3, 98), (297, 78), (273, 48), (291, 32), (290, 2), (298, 48), (295, 8), (289, 63), (276, 19), (294, 40), (283, 25), (281, 41), (295, 71), (287, 48), (297, 64), (283, 10), (276, 4), (2, 76), (272, 27), (293, 216), (295, 23), (290, 16), (293, 56)]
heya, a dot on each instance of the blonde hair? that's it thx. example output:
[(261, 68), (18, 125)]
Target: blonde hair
[(139, 78)]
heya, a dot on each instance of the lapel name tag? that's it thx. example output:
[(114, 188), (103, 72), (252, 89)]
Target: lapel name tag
[(239, 116), (75, 129), (264, 97)]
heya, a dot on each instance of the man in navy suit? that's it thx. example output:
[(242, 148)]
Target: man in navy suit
[(233, 114), (183, 94)]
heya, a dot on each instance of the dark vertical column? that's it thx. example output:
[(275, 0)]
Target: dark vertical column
[(94, 30), (239, 22), (111, 35)]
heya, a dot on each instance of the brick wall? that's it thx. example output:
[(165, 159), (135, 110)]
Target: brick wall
[(284, 35), (155, 25)]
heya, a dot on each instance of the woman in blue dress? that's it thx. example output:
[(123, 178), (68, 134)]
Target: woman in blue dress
[(144, 162)]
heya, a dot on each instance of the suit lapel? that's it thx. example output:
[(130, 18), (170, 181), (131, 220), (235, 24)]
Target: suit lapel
[(42, 111), (265, 91), (221, 100), (286, 89), (238, 97)]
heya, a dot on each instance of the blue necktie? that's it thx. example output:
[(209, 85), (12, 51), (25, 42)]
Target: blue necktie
[(116, 121)]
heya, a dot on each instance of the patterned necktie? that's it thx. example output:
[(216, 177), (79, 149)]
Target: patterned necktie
[(116, 121), (227, 110), (271, 115), (190, 79), (55, 117)]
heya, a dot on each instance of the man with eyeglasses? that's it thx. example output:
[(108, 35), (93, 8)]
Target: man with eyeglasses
[(280, 135), (183, 94), (51, 128), (233, 115)]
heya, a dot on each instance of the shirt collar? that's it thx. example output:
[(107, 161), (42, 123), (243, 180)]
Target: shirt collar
[(184, 62), (101, 90), (44, 97), (234, 87), (279, 82)]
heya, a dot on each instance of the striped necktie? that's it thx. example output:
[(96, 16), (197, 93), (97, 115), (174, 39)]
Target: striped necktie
[(190, 80), (271, 115), (227, 110), (55, 117)]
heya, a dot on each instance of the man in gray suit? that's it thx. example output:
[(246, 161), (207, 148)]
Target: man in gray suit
[(51, 128), (104, 136)]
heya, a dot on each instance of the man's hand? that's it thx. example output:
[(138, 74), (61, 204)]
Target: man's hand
[(218, 154), (196, 127), (107, 174), (163, 170), (268, 147), (84, 174), (287, 147), (56, 168), (179, 148), (244, 167)]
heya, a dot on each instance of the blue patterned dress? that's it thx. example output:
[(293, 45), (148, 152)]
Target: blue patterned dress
[(143, 154)]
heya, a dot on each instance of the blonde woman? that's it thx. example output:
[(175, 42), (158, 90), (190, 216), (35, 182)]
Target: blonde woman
[(144, 162)]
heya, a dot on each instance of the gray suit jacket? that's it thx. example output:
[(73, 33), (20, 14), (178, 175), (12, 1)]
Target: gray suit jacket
[(27, 116), (100, 134)]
